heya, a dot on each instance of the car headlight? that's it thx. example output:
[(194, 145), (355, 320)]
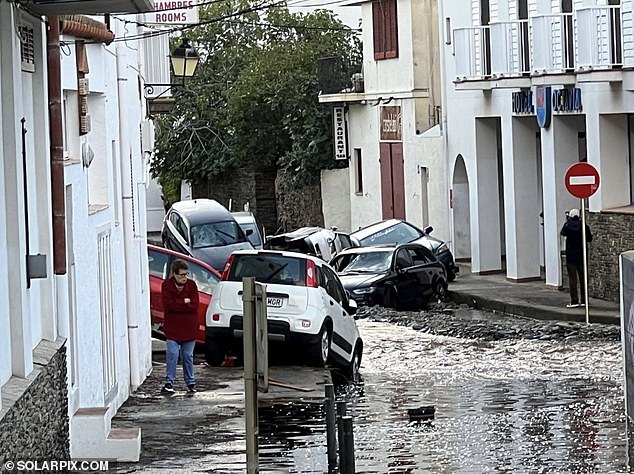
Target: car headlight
[(364, 291)]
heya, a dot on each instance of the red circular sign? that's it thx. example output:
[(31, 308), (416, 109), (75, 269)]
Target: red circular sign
[(582, 180)]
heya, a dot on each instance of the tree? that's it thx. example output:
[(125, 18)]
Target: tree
[(253, 100)]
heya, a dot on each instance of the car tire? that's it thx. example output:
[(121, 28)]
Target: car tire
[(215, 350), (319, 350), (451, 275), (440, 291), (352, 370)]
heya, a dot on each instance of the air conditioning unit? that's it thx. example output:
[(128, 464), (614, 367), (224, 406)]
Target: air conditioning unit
[(357, 82)]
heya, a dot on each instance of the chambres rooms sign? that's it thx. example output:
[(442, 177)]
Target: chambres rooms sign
[(391, 123)]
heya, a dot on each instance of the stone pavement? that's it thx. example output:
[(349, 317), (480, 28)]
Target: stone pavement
[(531, 299)]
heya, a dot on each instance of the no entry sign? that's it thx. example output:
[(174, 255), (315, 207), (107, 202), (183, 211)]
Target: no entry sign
[(582, 180)]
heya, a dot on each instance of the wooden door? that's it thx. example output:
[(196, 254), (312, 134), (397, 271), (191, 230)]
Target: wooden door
[(392, 180)]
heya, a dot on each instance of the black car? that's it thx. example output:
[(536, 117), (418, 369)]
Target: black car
[(407, 275), (396, 231), (204, 229)]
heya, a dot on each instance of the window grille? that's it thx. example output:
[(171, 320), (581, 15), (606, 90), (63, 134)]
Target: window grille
[(27, 48)]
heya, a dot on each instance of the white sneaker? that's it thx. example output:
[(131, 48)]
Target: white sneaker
[(571, 305)]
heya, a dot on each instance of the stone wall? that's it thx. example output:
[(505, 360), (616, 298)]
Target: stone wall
[(297, 207), (34, 416), (242, 186), (613, 233)]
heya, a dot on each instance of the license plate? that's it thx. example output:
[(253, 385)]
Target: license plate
[(274, 302)]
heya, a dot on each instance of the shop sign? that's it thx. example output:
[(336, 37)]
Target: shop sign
[(567, 100), (173, 12), (523, 102), (339, 129), (391, 123)]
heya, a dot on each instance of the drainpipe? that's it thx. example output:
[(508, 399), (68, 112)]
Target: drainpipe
[(127, 178), (57, 145)]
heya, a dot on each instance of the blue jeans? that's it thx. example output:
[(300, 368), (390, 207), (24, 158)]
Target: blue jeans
[(186, 350)]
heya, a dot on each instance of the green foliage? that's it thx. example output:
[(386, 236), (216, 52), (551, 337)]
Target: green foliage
[(253, 99)]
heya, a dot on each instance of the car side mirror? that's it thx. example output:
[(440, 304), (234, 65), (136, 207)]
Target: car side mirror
[(249, 232), (428, 230), (352, 306)]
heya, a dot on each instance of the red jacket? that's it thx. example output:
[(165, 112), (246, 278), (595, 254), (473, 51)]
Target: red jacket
[(181, 319)]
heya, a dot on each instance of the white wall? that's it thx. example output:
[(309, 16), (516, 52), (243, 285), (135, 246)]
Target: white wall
[(335, 198)]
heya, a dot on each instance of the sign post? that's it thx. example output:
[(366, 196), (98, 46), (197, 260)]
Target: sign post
[(582, 181)]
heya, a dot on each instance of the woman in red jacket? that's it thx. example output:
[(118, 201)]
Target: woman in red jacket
[(180, 304)]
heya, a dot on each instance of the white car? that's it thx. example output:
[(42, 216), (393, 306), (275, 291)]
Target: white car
[(307, 307)]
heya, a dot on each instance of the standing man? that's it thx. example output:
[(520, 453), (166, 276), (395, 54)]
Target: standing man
[(574, 256), (180, 304)]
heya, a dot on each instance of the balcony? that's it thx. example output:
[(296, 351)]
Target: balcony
[(563, 45)]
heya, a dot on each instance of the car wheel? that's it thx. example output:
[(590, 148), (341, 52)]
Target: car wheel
[(352, 371), (319, 350), (451, 276), (215, 350), (440, 291)]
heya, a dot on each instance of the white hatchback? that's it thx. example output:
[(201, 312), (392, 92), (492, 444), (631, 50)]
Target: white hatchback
[(307, 307)]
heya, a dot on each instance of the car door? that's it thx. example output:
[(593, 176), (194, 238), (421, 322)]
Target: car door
[(343, 323), (206, 282), (426, 268), (407, 287)]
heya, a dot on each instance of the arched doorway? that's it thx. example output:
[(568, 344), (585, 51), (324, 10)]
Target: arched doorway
[(461, 211)]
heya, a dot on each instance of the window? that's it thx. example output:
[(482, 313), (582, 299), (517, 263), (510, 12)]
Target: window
[(158, 263), (358, 172), (384, 28), (27, 48), (205, 280)]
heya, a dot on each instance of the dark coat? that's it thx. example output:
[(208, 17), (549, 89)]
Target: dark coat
[(181, 319), (574, 240)]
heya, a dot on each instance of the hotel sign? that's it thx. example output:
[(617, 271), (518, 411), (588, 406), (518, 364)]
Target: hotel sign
[(391, 123), (173, 12), (546, 102), (523, 102), (339, 130)]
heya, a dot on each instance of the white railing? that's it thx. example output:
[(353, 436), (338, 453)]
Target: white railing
[(106, 306), (600, 40), (472, 48), (510, 48), (553, 38)]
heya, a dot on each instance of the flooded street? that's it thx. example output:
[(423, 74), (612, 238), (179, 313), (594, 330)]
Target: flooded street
[(501, 406)]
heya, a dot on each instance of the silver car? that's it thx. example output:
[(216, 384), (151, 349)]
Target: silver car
[(204, 229)]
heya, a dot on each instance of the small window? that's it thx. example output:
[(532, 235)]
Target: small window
[(27, 48), (358, 172), (384, 25), (269, 269)]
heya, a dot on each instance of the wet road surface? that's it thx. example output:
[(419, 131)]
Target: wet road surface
[(510, 405)]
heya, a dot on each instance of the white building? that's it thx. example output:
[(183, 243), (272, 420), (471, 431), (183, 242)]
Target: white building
[(394, 141), (505, 61), (75, 337)]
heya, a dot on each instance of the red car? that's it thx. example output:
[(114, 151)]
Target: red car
[(206, 277)]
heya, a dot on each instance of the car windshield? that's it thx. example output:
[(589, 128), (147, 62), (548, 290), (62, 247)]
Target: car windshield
[(397, 234), (254, 238), (365, 262), (216, 234), (269, 269)]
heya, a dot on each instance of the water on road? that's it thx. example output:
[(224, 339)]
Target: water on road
[(520, 406)]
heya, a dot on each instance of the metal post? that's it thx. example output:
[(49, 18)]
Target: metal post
[(331, 426), (250, 382), (585, 259), (348, 446), (341, 412)]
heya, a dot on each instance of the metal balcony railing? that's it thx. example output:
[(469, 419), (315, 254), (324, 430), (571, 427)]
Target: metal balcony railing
[(511, 51), (600, 37), (553, 42), (472, 48)]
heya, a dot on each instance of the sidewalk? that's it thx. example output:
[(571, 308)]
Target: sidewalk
[(531, 299)]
